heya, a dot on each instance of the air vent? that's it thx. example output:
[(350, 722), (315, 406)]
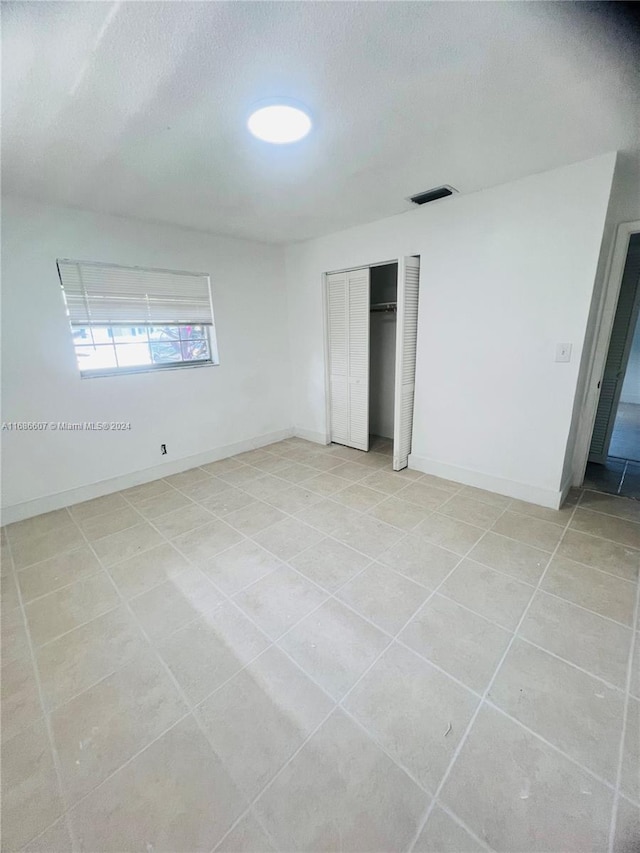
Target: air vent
[(433, 195)]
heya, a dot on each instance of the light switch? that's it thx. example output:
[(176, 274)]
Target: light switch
[(563, 352)]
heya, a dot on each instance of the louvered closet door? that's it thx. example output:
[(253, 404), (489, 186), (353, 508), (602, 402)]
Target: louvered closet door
[(338, 317), (617, 356), (406, 340), (358, 348), (348, 316)]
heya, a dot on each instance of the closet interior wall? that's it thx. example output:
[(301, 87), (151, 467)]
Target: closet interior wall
[(382, 349)]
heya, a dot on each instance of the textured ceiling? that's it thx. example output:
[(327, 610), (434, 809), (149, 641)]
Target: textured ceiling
[(139, 108)]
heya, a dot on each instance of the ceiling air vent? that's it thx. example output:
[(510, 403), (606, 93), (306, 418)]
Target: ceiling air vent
[(433, 195)]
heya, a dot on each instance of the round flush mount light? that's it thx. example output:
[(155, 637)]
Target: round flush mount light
[(279, 123)]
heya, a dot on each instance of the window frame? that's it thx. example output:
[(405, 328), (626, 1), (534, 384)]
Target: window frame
[(212, 361), (210, 330)]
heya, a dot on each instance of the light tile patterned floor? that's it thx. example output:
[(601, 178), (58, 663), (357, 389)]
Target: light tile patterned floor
[(297, 649)]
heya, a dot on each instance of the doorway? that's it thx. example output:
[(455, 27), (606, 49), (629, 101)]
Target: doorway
[(372, 320), (614, 453)]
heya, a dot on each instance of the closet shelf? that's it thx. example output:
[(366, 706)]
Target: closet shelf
[(384, 306)]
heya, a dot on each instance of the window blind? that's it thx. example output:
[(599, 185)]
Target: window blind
[(109, 295)]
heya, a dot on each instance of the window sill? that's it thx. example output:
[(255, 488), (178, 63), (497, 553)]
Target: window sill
[(156, 368)]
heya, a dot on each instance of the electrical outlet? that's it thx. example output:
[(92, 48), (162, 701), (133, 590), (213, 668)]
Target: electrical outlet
[(163, 449)]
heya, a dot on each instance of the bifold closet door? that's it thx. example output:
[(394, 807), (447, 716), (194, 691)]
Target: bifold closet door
[(348, 320), (406, 342)]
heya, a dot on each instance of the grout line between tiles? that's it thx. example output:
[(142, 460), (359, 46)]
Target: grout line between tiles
[(609, 684), (62, 793), (268, 784), (547, 591), (324, 534), (624, 471), (129, 760), (602, 511), (402, 536), (340, 705), (623, 733), (529, 642), (365, 512), (17, 541), (79, 625), (587, 770), (113, 532), (369, 734), (331, 595), (63, 553), (333, 700), (486, 691), (454, 817), (396, 639), (623, 795), (61, 588), (346, 605), (596, 568), (187, 702)]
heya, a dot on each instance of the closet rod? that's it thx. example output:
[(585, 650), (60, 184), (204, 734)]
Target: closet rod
[(384, 306)]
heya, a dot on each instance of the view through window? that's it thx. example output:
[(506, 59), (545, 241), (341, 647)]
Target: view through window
[(113, 347)]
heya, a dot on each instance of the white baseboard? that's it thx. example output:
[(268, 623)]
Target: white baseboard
[(564, 491), (18, 512), (510, 488), (309, 435)]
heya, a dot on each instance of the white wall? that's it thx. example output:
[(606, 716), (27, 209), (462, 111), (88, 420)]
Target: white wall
[(382, 361), (197, 413), (506, 273)]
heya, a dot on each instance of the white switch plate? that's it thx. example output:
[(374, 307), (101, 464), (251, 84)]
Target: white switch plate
[(563, 352)]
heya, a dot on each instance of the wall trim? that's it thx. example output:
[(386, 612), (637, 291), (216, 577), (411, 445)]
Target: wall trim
[(596, 357), (510, 488), (18, 512), (564, 491), (309, 435)]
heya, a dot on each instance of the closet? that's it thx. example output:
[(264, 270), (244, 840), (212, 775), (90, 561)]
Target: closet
[(383, 316), (372, 324)]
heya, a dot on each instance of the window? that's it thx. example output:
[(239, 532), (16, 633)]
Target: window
[(129, 319)]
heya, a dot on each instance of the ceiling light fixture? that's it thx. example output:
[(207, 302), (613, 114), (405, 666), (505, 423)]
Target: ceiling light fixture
[(279, 123)]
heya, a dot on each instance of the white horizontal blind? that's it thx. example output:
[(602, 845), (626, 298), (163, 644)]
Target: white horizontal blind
[(108, 295)]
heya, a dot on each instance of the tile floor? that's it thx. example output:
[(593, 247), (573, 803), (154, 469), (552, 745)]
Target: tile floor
[(625, 439), (615, 476), (297, 649)]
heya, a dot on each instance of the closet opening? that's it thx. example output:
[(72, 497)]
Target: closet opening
[(372, 330), (383, 315)]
